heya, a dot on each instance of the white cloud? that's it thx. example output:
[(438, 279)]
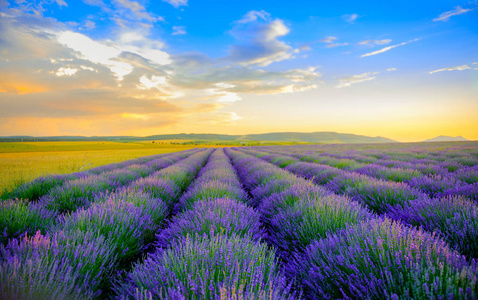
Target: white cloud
[(95, 52), (154, 82), (375, 42), (88, 68), (457, 68), (137, 9), (89, 24), (329, 39), (257, 40), (348, 81), (177, 3), (333, 45), (350, 18), (65, 72), (387, 48), (178, 30), (448, 14), (391, 69), (61, 2), (109, 54), (253, 15)]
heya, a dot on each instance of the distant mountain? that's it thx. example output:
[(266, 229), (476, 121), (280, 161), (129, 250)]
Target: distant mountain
[(444, 138), (316, 137), (312, 137)]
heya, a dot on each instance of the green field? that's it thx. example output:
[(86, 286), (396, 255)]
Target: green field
[(23, 162)]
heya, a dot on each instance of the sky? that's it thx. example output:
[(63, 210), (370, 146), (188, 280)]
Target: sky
[(407, 70)]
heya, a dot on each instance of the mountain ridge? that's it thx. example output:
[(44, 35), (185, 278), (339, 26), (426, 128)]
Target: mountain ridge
[(445, 138), (325, 137)]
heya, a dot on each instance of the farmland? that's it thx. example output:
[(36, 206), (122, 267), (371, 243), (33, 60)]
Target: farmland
[(382, 221), (22, 162)]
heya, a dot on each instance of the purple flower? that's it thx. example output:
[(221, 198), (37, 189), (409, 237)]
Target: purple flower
[(380, 259), (208, 268)]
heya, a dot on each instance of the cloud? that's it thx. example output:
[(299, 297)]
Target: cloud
[(177, 3), (56, 78), (86, 102), (35, 7), (253, 15), (391, 69), (257, 41), (375, 42), (388, 48), (109, 54), (66, 72), (350, 18), (348, 81), (98, 3), (330, 41), (457, 68), (448, 14), (89, 25), (178, 30), (139, 12), (61, 3), (333, 45), (95, 52)]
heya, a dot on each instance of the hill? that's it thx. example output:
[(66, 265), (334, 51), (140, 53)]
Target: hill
[(312, 137), (444, 138)]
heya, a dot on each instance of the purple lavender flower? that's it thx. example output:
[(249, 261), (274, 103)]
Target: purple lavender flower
[(217, 216), (164, 189), (19, 217), (380, 259), (75, 194), (310, 217), (128, 226), (454, 218), (65, 265), (208, 268), (210, 190), (42, 185)]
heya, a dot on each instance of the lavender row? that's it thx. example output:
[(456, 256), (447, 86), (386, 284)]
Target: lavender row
[(343, 252), (18, 216), (211, 249), (459, 166), (438, 184), (448, 155), (81, 192), (77, 256), (453, 218), (295, 211), (42, 185)]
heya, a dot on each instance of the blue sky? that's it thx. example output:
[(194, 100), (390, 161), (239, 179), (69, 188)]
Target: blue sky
[(405, 70)]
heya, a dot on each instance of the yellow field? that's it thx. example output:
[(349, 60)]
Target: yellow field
[(23, 162)]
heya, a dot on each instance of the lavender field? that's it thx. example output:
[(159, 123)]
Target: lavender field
[(379, 221)]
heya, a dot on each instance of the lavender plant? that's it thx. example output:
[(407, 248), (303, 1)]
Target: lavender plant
[(454, 218), (127, 226), (19, 216), (216, 216), (207, 268), (380, 259), (310, 218), (64, 265)]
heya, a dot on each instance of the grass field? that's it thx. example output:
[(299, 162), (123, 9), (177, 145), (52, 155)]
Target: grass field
[(22, 162)]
